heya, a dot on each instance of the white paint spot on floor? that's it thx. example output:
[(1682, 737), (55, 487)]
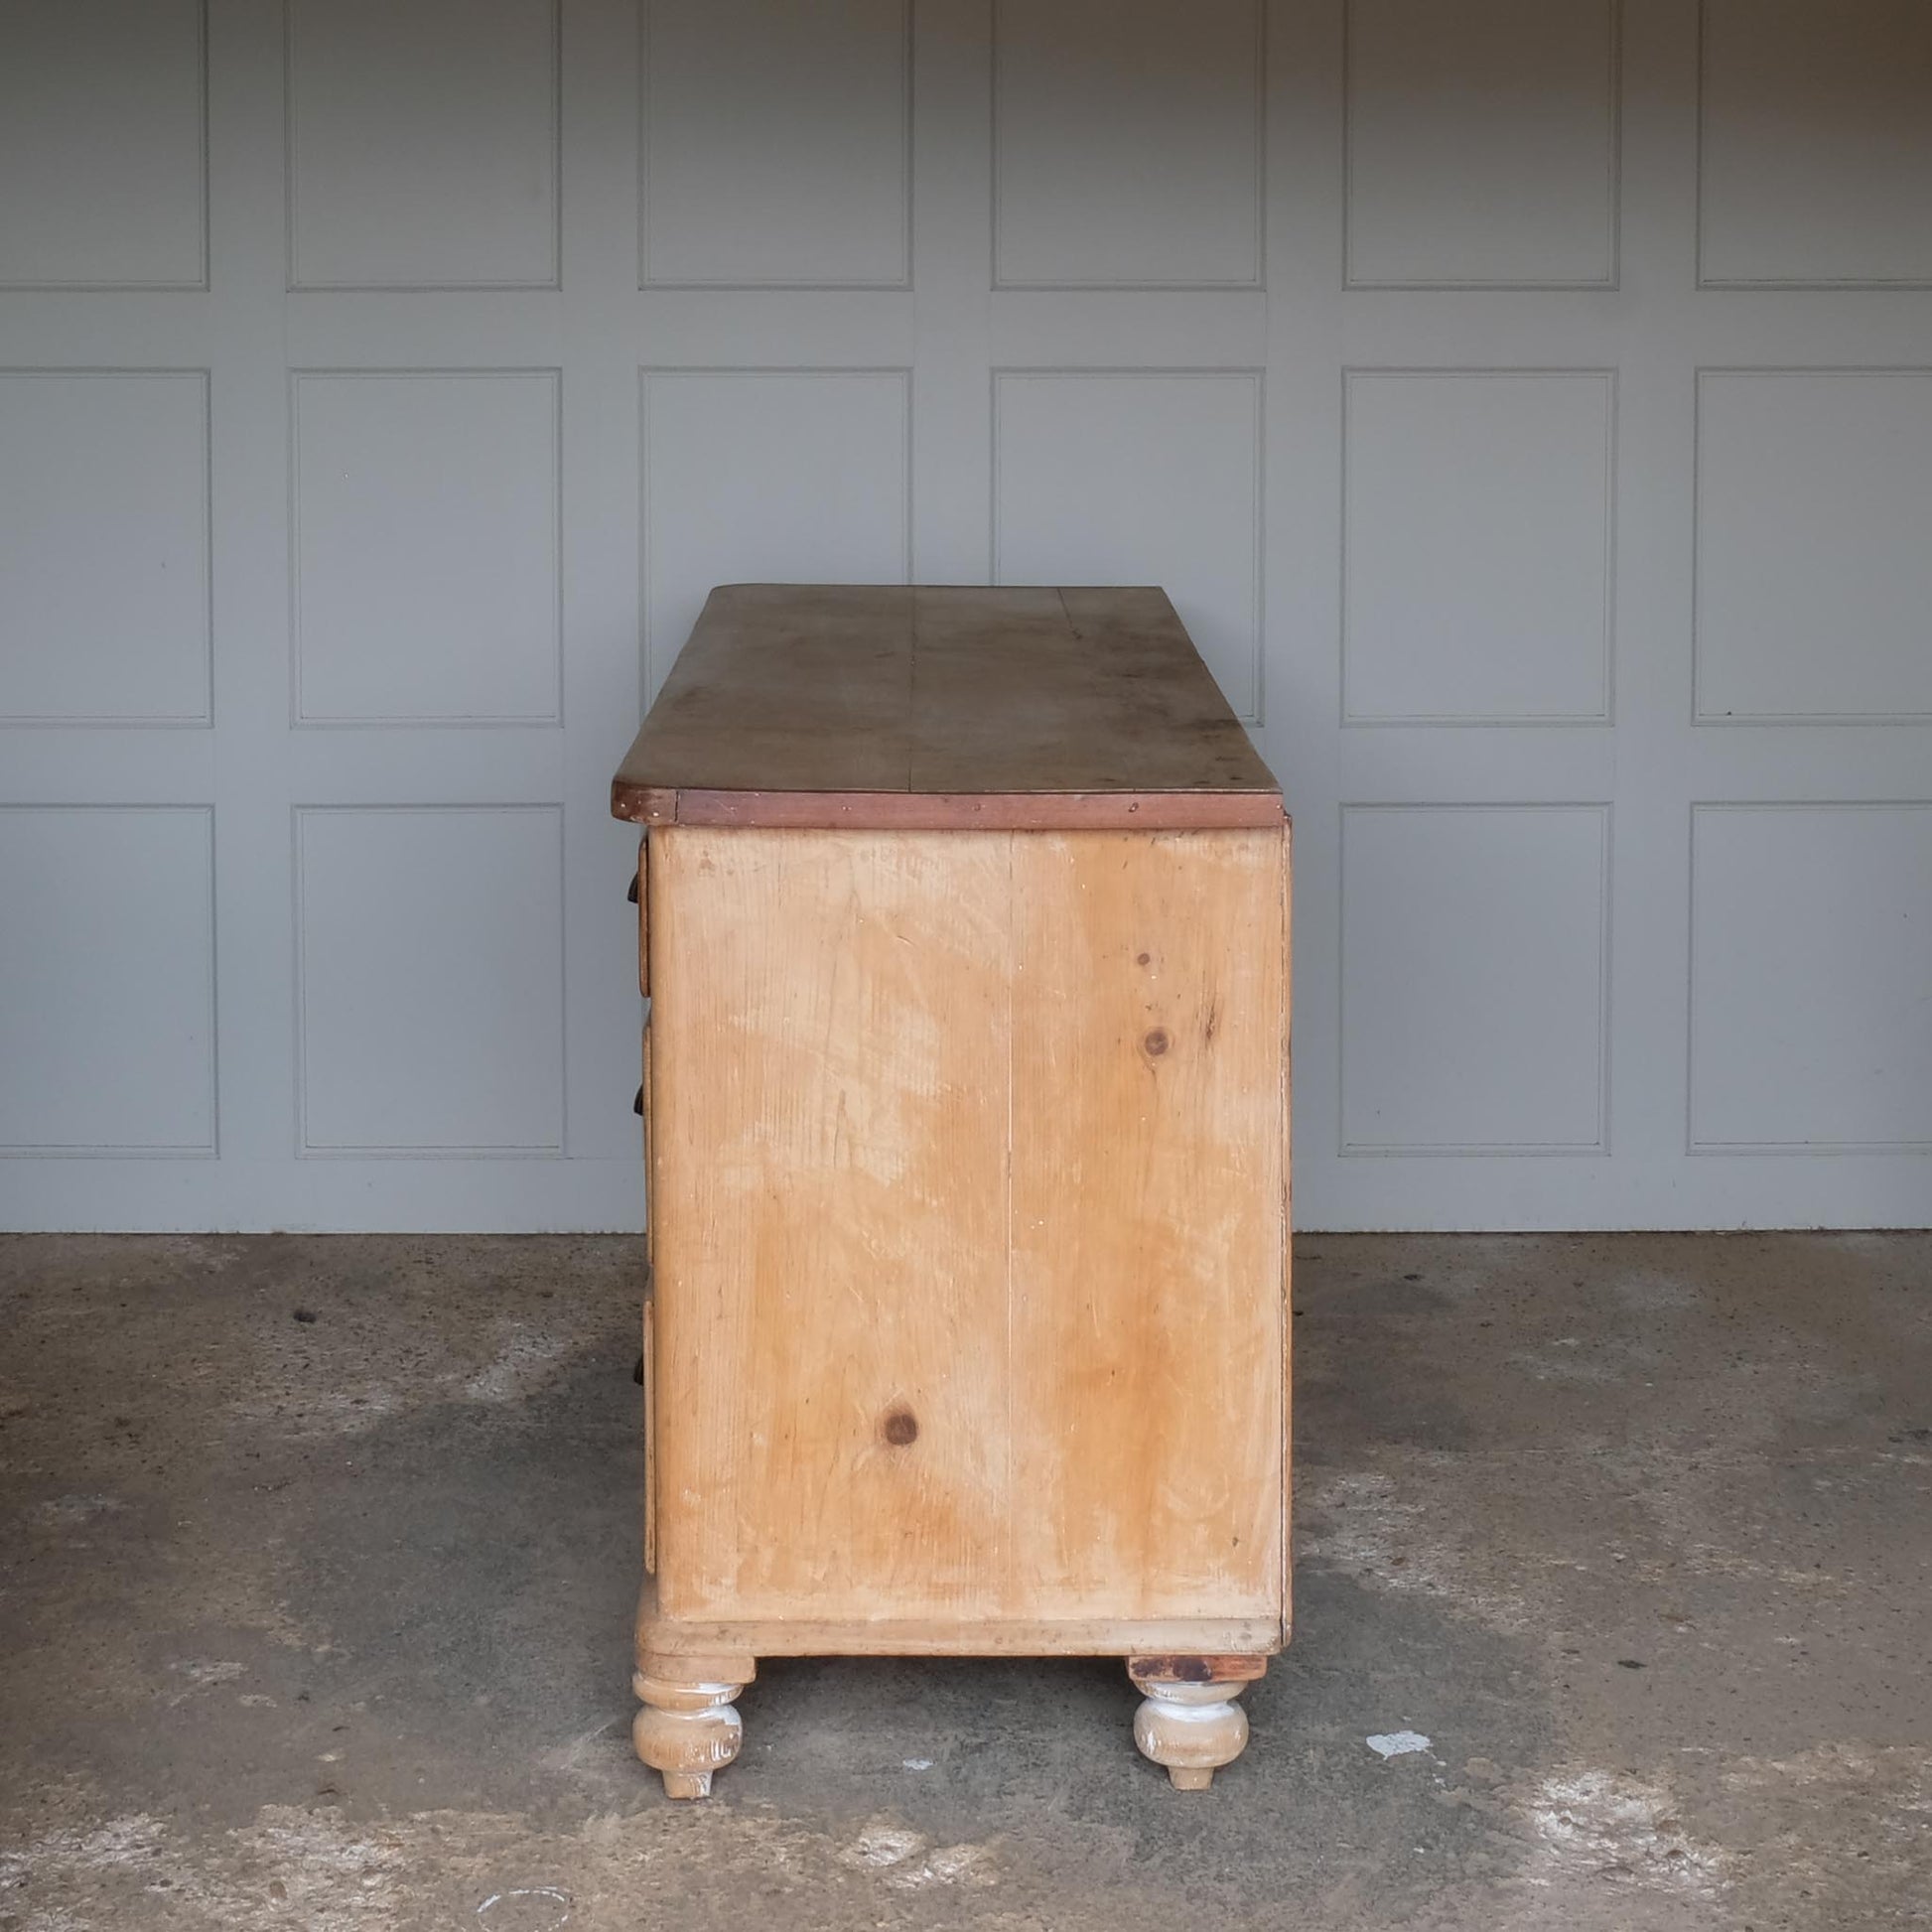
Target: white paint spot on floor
[(524, 1359), (207, 1670), (67, 1511), (917, 1763), (882, 1843), (203, 1673), (901, 1856), (1593, 1824), (1358, 1522), (347, 1410), (318, 1869), (569, 1757), (951, 1865), (1396, 1744), (1547, 1365), (526, 1908), (119, 1841), (338, 1880)]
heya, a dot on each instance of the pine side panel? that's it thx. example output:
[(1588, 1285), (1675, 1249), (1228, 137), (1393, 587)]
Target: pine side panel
[(829, 1025), (1148, 1237), (1287, 1231)]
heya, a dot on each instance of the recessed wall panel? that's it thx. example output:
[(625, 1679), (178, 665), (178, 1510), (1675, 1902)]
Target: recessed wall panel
[(1476, 546), (422, 143), (102, 144), (1474, 992), (1139, 478), (1816, 151), (107, 958), (104, 546), (770, 475), (1127, 142), (426, 547), (1482, 143), (430, 945), (777, 144), (1814, 569), (1811, 987)]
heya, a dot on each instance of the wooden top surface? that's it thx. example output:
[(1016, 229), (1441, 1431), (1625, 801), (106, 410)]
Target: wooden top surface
[(933, 708)]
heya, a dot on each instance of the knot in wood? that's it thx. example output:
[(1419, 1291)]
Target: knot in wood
[(1156, 1043), (900, 1428)]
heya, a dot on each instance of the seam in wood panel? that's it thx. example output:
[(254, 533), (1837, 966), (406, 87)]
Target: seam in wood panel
[(1015, 956)]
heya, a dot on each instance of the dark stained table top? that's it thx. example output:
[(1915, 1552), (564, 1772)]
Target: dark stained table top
[(936, 708)]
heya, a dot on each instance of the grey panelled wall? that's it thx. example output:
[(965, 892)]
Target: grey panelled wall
[(1528, 404)]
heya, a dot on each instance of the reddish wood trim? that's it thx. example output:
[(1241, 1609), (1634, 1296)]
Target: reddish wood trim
[(643, 804), (1185, 1669), (913, 812)]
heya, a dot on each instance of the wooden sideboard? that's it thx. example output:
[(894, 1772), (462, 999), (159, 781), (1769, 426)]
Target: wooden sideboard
[(964, 919)]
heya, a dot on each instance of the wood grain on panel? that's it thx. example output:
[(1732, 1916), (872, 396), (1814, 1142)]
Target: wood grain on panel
[(952, 1636), (830, 1019), (1148, 1446), (968, 1160)]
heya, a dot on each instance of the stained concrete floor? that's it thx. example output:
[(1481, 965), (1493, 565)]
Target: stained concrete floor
[(318, 1554)]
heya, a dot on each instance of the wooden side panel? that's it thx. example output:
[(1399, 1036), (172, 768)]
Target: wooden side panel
[(1288, 1231), (640, 898), (650, 1376), (829, 1092), (1148, 1224)]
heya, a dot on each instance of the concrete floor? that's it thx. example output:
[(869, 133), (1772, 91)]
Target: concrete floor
[(319, 1557)]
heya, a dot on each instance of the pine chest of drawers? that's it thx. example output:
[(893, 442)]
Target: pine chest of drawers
[(965, 928)]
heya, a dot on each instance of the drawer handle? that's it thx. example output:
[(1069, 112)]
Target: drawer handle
[(638, 1105)]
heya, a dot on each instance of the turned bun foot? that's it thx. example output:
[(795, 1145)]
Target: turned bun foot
[(686, 1730), (1190, 1724)]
